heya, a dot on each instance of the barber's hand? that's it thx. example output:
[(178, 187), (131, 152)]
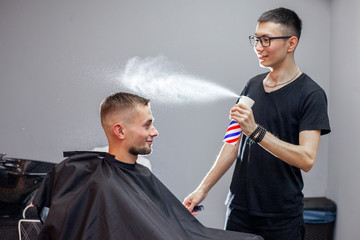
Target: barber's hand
[(244, 116), (193, 200)]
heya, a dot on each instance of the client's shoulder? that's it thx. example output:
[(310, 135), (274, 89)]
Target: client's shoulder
[(81, 159)]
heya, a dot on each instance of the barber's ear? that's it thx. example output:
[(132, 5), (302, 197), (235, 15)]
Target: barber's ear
[(293, 41), (119, 130)]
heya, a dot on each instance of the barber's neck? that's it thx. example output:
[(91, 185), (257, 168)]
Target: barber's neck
[(283, 72)]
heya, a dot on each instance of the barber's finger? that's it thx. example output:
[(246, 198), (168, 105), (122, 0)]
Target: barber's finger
[(187, 203), (191, 209)]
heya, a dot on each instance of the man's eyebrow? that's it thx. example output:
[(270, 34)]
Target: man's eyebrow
[(149, 121), (264, 35)]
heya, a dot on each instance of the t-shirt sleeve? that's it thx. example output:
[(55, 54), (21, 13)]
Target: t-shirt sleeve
[(243, 92), (314, 113)]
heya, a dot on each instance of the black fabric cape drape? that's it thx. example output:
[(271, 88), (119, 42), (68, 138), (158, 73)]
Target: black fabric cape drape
[(91, 195)]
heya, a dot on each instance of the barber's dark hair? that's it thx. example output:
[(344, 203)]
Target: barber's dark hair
[(121, 101), (284, 16)]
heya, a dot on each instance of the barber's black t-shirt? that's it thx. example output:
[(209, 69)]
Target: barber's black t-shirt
[(262, 184)]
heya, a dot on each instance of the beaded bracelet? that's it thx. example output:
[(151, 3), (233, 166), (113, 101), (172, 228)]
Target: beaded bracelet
[(252, 135), (260, 137)]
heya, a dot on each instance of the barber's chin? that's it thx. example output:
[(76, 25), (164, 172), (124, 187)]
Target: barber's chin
[(261, 64)]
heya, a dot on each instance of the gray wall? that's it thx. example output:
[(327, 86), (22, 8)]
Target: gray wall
[(59, 59), (344, 161)]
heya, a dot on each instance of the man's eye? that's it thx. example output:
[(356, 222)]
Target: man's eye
[(265, 40)]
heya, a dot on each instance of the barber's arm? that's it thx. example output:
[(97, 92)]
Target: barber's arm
[(301, 156), (224, 161)]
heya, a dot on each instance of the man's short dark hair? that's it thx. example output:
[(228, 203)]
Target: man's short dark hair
[(286, 17), (121, 101)]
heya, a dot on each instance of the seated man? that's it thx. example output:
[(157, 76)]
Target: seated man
[(98, 195)]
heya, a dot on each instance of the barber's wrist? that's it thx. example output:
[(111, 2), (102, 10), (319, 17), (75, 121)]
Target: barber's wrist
[(253, 134), (203, 189)]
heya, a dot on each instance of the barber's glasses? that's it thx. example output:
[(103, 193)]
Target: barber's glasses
[(264, 41)]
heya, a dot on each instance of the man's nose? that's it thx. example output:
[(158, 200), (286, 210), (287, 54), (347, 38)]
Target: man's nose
[(154, 132), (258, 47)]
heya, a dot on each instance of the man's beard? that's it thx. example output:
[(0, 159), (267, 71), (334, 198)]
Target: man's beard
[(140, 151)]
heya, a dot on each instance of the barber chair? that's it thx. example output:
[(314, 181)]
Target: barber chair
[(19, 180)]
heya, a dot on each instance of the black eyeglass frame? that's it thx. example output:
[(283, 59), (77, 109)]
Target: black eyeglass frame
[(261, 42)]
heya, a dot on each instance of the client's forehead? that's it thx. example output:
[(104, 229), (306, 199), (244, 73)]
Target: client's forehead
[(138, 114), (143, 112)]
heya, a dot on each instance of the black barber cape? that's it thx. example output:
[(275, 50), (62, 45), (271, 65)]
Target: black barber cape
[(91, 195)]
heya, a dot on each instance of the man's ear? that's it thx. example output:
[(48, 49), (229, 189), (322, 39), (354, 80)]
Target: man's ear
[(293, 41), (119, 131)]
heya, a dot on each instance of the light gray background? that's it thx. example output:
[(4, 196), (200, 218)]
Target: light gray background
[(58, 60)]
